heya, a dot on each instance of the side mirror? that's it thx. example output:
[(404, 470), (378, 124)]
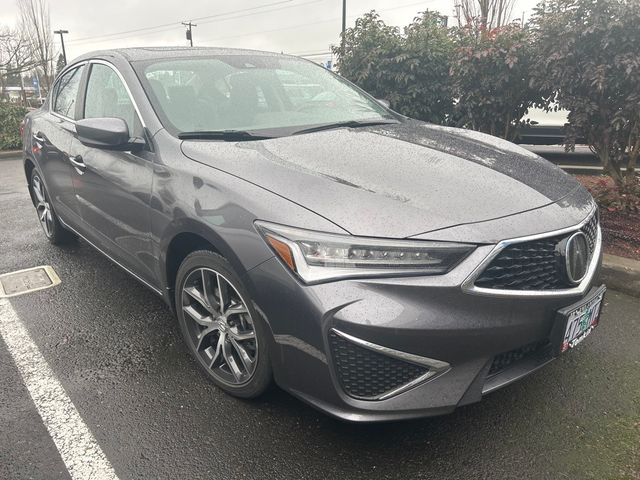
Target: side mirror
[(107, 133), (383, 102)]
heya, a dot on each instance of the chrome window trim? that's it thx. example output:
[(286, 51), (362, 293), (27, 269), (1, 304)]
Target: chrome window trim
[(52, 98), (436, 367), (468, 286), (124, 82)]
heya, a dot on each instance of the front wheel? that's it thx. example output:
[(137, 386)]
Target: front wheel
[(222, 329), (49, 221)]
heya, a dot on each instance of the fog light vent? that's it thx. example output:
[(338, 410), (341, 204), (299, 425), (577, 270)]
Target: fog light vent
[(367, 375), (504, 360)]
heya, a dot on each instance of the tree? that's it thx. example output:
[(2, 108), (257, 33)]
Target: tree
[(425, 87), (588, 53), (491, 75), (367, 56), (409, 69), (484, 14), (15, 58), (60, 64), (36, 25)]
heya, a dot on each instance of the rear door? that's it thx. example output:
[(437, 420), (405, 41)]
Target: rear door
[(52, 132), (114, 187)]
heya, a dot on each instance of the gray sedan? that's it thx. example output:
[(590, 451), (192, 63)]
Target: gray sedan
[(374, 266)]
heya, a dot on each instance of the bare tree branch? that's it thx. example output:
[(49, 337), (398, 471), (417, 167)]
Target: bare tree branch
[(487, 14), (15, 54), (36, 25)]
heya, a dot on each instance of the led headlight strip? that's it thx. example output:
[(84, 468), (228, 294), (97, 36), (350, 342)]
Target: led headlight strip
[(318, 257)]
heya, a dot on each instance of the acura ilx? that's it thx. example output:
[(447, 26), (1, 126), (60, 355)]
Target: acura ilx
[(372, 265)]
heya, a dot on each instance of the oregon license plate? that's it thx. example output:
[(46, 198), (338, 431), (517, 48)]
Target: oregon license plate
[(582, 319)]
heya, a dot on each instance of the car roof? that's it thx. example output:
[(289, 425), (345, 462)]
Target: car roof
[(155, 53)]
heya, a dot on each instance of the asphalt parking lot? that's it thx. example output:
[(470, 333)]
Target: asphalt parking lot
[(116, 350)]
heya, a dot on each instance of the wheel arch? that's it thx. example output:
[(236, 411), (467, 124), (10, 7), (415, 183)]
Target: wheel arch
[(185, 236)]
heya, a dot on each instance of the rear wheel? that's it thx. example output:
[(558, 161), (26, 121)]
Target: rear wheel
[(223, 332), (49, 221)]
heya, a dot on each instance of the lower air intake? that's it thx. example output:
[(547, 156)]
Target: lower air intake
[(367, 375), (504, 360)]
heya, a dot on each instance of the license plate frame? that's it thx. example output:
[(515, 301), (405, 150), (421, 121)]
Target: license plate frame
[(580, 319)]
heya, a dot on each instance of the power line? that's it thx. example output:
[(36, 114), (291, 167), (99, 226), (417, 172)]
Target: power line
[(89, 39), (243, 10), (271, 10), (302, 25), (162, 27), (175, 26)]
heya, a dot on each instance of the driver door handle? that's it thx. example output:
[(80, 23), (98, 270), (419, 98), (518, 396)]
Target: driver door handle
[(78, 163)]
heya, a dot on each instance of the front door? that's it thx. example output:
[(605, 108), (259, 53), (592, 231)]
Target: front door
[(113, 188), (52, 133)]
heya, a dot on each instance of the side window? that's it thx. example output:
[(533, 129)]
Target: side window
[(107, 97), (67, 92)]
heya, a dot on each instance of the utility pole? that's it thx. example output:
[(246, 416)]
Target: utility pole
[(189, 33), (344, 25), (61, 33)]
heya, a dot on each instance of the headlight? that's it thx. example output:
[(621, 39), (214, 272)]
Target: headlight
[(317, 257)]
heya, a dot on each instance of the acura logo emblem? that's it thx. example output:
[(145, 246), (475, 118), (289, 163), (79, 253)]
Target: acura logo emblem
[(576, 255)]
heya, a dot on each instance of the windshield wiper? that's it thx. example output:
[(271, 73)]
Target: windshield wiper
[(225, 135), (348, 124)]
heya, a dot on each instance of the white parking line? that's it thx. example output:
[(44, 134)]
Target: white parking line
[(79, 450)]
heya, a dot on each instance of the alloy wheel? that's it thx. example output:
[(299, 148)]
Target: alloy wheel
[(219, 326), (43, 207)]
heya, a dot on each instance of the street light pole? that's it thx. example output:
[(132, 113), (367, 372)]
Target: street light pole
[(344, 24), (61, 33)]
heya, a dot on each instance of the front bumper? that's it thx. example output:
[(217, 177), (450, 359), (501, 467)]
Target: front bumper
[(428, 317)]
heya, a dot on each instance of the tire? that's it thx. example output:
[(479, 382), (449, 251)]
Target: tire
[(49, 221), (229, 343)]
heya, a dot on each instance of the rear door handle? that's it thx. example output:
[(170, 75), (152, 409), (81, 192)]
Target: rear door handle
[(78, 163), (38, 137)]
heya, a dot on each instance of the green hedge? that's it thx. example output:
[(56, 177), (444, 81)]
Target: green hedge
[(10, 118)]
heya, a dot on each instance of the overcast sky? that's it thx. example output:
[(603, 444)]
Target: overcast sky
[(294, 26)]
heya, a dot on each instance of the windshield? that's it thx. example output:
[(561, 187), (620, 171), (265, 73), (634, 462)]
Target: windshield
[(252, 93)]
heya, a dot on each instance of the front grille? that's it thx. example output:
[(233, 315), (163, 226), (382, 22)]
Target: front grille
[(367, 375), (590, 230), (533, 265), (504, 360)]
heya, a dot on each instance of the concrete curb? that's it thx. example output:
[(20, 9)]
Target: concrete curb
[(621, 274), (10, 153)]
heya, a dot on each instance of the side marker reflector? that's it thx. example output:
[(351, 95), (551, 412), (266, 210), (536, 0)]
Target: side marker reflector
[(283, 251)]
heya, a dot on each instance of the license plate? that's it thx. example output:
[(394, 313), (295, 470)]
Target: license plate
[(581, 319)]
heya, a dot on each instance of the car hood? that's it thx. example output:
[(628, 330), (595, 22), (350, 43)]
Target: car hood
[(394, 180)]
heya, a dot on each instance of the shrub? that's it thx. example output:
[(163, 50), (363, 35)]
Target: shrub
[(491, 74), (614, 198), (408, 69), (423, 84), (10, 118), (588, 53)]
